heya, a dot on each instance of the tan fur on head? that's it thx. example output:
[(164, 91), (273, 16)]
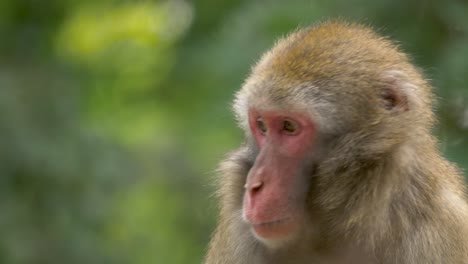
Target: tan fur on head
[(351, 56)]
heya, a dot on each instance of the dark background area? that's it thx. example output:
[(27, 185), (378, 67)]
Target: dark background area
[(114, 114)]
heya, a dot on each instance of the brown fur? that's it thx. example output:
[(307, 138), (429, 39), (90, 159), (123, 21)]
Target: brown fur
[(380, 191)]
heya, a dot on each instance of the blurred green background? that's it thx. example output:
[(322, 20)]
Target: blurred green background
[(113, 114)]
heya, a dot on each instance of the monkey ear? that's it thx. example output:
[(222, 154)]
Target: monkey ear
[(393, 93)]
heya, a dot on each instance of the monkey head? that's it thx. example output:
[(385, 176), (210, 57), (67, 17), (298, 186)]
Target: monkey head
[(323, 99)]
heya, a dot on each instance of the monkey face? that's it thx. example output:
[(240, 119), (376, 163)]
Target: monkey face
[(275, 190)]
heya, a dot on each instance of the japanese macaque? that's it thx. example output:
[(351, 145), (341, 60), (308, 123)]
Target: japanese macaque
[(338, 164)]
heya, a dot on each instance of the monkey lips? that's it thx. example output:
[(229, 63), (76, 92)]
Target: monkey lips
[(272, 230)]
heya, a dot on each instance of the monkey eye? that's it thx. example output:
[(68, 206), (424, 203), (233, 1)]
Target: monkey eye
[(261, 125), (289, 126)]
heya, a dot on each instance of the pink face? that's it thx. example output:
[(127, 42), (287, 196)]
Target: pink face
[(276, 187)]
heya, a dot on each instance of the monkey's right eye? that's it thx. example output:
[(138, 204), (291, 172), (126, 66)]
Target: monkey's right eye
[(261, 125)]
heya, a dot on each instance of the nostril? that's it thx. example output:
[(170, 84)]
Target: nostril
[(254, 187)]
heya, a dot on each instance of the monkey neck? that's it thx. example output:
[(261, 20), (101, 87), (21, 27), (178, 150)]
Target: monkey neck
[(379, 194)]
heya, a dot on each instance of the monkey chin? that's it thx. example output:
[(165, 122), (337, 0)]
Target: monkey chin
[(276, 233)]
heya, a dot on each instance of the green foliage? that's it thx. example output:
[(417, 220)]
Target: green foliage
[(113, 114)]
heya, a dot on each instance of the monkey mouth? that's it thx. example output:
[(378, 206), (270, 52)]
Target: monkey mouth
[(275, 229), (272, 223)]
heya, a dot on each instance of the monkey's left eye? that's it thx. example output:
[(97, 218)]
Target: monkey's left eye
[(289, 126), (261, 125)]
